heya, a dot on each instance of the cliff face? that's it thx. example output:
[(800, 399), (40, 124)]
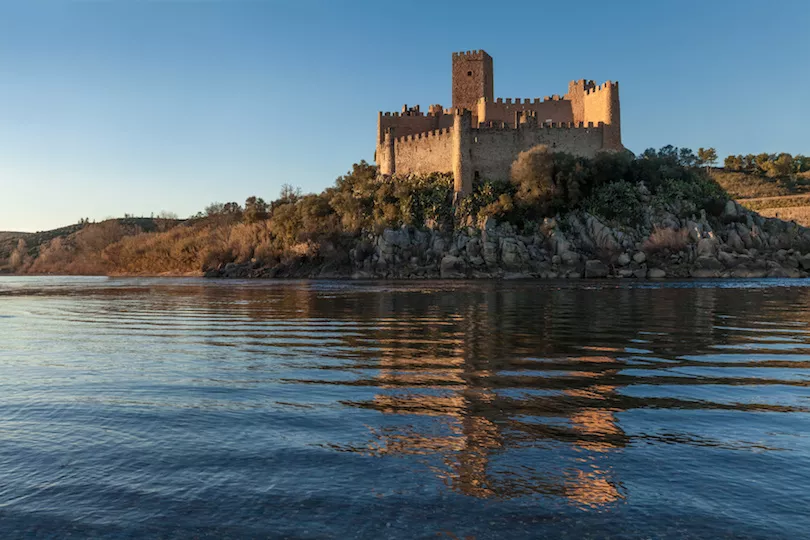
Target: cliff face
[(740, 244)]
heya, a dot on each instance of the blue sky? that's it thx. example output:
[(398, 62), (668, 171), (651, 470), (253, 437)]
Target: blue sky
[(110, 107)]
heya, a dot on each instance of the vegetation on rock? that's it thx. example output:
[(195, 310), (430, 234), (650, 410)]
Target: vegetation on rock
[(557, 208)]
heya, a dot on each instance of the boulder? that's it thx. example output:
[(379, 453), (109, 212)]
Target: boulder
[(694, 231), (595, 269), (730, 211), (727, 259), (602, 236), (452, 267), (656, 273), (623, 260), (735, 242), (513, 253), (640, 257), (490, 253), (473, 247), (709, 263), (707, 247)]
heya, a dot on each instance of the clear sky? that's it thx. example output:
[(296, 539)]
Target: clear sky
[(110, 107)]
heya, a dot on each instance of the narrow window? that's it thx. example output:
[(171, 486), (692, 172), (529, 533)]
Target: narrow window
[(469, 74)]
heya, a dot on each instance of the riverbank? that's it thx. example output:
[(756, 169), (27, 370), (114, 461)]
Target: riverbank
[(559, 216), (739, 244)]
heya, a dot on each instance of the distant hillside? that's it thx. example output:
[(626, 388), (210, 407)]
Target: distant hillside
[(8, 235), (785, 197), (74, 249)]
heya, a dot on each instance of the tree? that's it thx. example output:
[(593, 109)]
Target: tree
[(707, 157), (687, 157), (290, 194), (780, 167), (214, 209), (255, 209), (761, 160), (533, 175), (801, 163), (733, 163)]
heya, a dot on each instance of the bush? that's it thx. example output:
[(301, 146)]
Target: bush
[(618, 201), (546, 183), (686, 197)]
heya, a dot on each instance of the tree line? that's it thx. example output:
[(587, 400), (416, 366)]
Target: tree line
[(771, 165)]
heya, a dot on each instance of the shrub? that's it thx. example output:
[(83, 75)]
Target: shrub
[(685, 197), (618, 201), (533, 176)]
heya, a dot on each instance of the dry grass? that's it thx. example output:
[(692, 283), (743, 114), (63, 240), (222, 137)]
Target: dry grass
[(799, 214), (741, 185), (666, 239), (764, 203)]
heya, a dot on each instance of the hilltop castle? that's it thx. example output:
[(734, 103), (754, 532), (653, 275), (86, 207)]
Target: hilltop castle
[(480, 136)]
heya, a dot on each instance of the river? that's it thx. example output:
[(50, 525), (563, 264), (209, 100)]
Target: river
[(177, 408)]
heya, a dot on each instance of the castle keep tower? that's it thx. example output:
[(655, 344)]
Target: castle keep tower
[(472, 79), (480, 136)]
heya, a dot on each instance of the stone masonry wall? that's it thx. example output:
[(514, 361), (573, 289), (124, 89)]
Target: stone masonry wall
[(407, 124), (424, 153), (472, 78), (495, 149), (554, 108), (601, 104)]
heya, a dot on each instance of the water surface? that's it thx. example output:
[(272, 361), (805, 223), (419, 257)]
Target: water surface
[(179, 408)]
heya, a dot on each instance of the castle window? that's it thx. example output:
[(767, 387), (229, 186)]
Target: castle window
[(475, 140), (469, 74), (477, 176)]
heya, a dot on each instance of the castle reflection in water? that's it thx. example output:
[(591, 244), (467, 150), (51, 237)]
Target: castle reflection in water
[(496, 383), (504, 391)]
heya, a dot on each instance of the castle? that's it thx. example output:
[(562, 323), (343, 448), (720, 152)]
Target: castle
[(480, 136)]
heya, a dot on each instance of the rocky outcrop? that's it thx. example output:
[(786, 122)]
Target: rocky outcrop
[(737, 244)]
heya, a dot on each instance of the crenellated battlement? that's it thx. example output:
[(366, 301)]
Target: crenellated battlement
[(436, 133), (477, 54), (543, 125), (605, 86), (526, 101), (480, 136)]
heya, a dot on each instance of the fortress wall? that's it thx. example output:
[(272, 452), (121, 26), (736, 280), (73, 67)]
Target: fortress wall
[(405, 124), (601, 104), (576, 95), (424, 153), (553, 108), (494, 150)]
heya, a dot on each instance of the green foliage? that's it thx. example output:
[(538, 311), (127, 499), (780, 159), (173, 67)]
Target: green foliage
[(707, 157), (547, 183), (771, 165), (297, 226), (490, 198), (255, 209), (687, 196), (617, 201)]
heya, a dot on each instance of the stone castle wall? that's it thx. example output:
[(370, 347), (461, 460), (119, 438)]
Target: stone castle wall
[(481, 136), (422, 153), (554, 109), (494, 149), (487, 151)]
